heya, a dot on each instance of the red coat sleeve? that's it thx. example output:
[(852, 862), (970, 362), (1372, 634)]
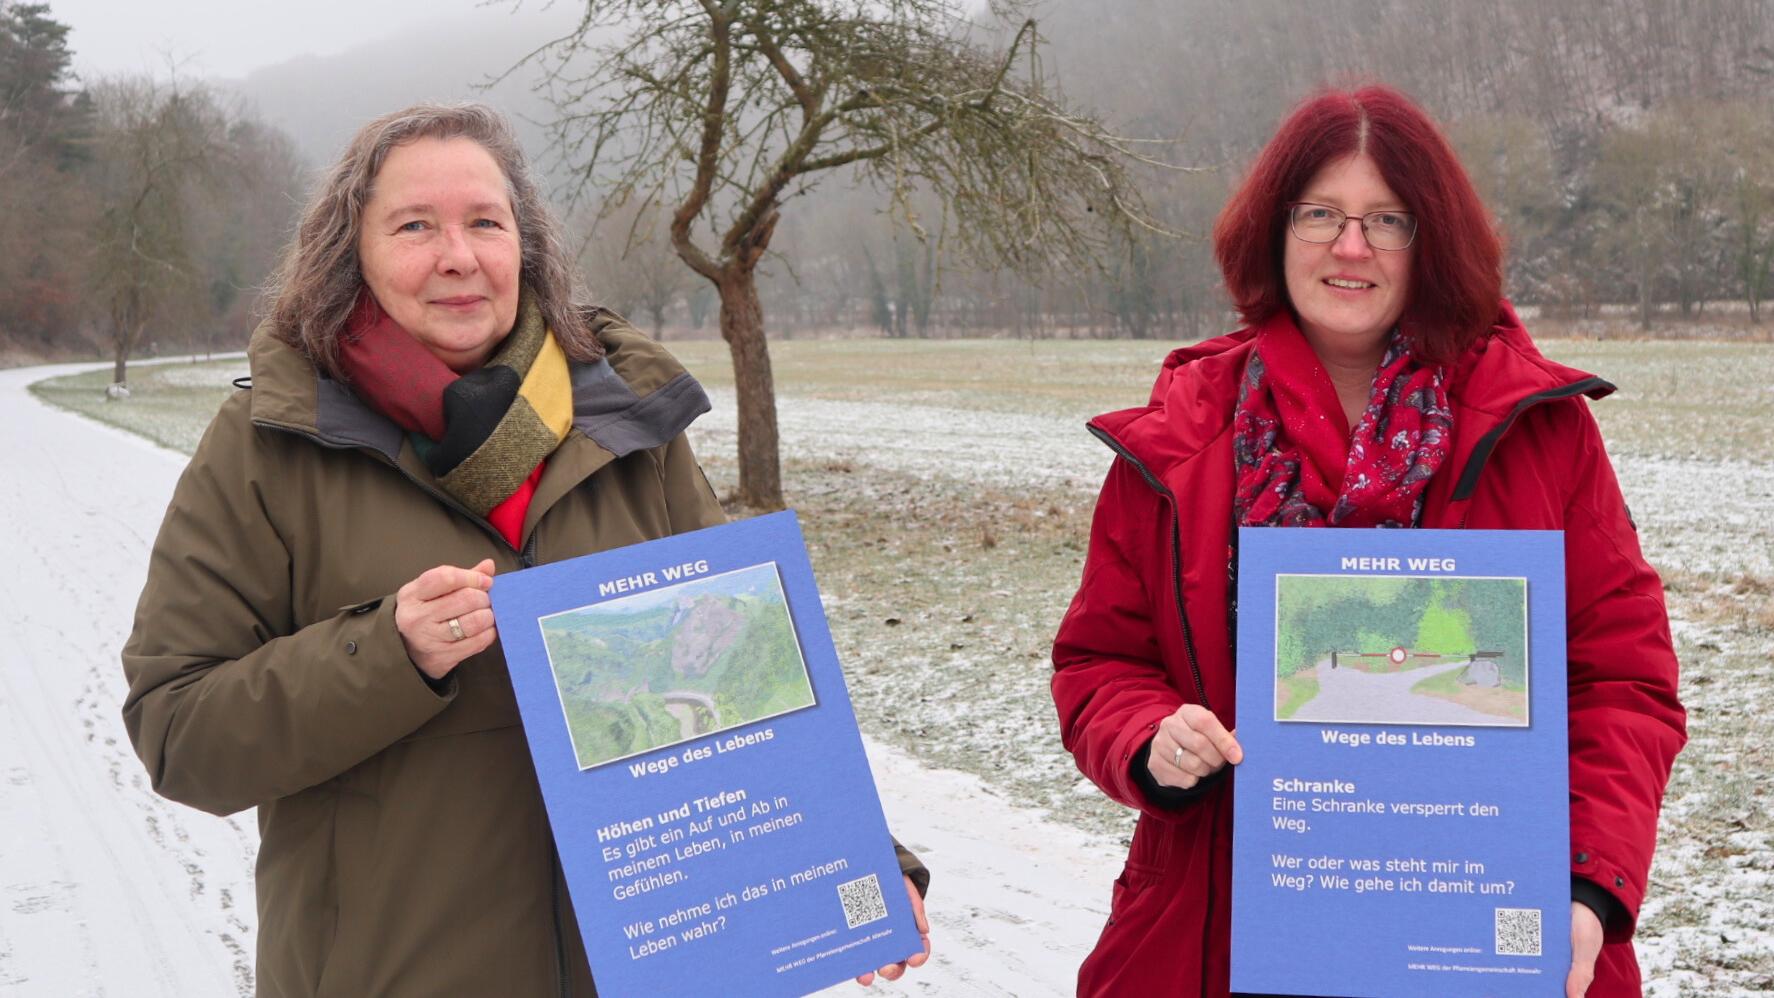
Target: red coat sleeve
[(1626, 723), (1109, 681)]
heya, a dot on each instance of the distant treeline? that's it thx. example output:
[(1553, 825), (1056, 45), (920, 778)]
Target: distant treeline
[(140, 213), (1626, 147)]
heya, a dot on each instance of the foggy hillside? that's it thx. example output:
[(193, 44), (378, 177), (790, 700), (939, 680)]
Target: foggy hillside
[(320, 100)]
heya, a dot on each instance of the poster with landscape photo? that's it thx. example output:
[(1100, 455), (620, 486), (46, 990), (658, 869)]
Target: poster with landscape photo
[(705, 780), (647, 671), (1401, 649)]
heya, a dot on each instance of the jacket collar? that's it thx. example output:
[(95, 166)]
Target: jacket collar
[(1193, 400), (637, 397)]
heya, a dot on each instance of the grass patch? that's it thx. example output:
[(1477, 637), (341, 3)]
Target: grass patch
[(1675, 399), (1499, 701), (1292, 692), (170, 404)]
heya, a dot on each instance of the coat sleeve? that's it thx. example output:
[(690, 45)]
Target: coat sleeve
[(1626, 723), (689, 499), (230, 704), (1109, 682)]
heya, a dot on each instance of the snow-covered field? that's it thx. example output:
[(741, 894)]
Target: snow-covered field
[(1727, 533), (946, 488)]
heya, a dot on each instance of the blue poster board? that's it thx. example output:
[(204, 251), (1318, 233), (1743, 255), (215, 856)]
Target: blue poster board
[(1402, 816), (713, 809)]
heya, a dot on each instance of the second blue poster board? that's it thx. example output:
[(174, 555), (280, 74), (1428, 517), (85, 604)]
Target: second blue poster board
[(1402, 811)]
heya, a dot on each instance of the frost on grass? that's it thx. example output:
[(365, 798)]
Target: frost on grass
[(942, 602), (170, 404), (1707, 926)]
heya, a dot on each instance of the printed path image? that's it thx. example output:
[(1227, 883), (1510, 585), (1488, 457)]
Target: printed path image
[(1401, 650), (664, 666), (1350, 695)]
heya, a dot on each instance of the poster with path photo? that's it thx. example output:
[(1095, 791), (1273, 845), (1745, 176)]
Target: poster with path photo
[(1401, 649), (1402, 810)]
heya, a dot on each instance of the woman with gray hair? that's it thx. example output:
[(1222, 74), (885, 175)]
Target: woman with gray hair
[(432, 401)]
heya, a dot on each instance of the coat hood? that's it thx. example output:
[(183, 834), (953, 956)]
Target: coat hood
[(1196, 392)]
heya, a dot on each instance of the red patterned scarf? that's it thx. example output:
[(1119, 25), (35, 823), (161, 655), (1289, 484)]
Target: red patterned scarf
[(1296, 458), (487, 434)]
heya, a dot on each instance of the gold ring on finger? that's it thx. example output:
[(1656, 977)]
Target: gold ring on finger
[(1176, 758), (456, 634)]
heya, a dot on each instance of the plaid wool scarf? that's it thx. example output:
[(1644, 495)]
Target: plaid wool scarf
[(484, 434)]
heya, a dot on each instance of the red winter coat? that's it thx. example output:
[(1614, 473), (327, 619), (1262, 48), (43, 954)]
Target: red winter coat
[(1147, 632)]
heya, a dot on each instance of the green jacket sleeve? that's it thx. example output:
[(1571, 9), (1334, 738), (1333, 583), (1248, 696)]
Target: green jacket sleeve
[(231, 703), (690, 500)]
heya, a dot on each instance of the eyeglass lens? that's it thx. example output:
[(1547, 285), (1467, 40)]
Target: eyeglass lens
[(1316, 223)]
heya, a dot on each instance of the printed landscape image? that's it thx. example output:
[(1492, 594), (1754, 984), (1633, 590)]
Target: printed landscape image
[(664, 666), (1401, 650)]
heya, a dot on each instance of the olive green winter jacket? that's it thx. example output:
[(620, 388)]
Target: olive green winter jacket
[(404, 846)]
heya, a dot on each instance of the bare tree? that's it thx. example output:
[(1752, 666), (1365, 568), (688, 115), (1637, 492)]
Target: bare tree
[(156, 141), (630, 261), (723, 110)]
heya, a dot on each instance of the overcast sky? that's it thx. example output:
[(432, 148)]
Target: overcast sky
[(231, 38)]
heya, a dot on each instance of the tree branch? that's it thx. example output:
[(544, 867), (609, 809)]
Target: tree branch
[(714, 118)]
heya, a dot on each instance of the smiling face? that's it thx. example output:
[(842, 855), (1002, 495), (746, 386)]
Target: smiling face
[(1347, 294), (439, 248)]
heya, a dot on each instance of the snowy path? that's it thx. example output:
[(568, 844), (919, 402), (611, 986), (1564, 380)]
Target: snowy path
[(105, 889)]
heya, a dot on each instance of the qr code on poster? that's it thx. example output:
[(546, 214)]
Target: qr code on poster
[(1518, 932), (862, 901)]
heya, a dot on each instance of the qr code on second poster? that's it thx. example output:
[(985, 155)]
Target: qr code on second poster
[(862, 901), (1518, 932)]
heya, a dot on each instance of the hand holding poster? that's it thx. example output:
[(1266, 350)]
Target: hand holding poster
[(1401, 814), (701, 766)]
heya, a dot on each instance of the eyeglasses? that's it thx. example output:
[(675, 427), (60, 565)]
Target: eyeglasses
[(1320, 223)]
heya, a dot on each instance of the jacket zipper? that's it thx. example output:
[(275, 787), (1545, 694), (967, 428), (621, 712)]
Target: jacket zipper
[(1176, 555), (527, 559)]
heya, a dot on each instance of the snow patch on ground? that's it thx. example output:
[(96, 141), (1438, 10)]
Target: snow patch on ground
[(1011, 450), (1700, 516)]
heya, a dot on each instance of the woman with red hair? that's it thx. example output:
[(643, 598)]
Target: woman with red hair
[(1380, 380)]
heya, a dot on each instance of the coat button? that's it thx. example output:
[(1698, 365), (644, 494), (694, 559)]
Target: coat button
[(1619, 881), (1582, 857), (350, 647)]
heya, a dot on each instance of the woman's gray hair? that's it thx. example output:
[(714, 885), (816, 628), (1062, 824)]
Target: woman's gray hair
[(311, 294)]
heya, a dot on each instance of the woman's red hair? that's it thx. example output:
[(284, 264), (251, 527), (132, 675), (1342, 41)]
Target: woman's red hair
[(1457, 275)]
